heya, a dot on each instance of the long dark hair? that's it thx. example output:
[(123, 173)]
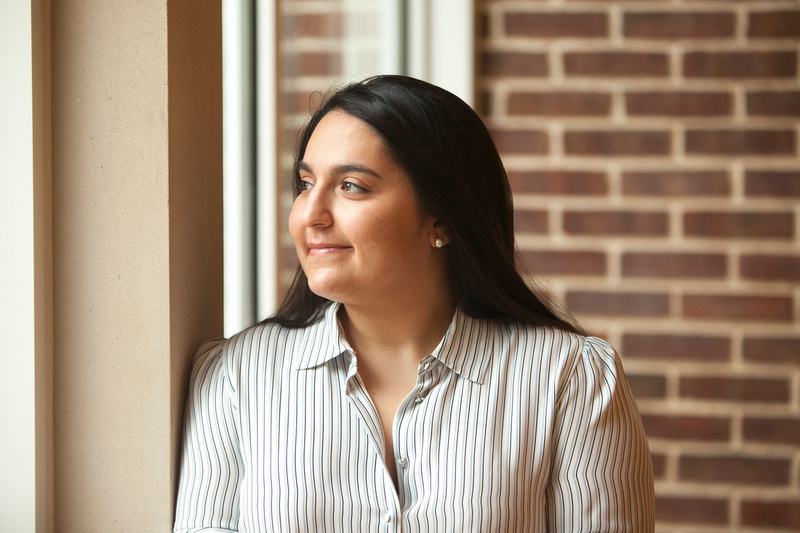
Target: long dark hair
[(458, 177)]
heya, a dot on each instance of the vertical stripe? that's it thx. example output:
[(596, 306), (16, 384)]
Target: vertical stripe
[(510, 427)]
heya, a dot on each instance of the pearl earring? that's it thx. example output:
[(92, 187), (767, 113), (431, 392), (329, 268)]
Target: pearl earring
[(438, 243)]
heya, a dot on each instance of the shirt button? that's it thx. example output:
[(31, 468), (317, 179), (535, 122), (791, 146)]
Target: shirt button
[(425, 367), (419, 398), (403, 463), (387, 517)]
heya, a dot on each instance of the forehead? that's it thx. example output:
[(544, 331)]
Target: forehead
[(339, 134)]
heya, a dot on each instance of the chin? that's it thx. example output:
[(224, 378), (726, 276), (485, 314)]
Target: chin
[(325, 289)]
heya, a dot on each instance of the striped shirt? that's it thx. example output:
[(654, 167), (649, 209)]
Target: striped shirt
[(510, 427)]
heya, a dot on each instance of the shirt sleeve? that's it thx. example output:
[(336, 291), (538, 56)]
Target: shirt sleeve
[(602, 477), (211, 464)]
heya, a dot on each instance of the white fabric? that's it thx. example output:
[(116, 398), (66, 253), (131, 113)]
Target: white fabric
[(511, 427)]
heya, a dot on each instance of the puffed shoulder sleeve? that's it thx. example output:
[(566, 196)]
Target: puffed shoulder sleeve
[(211, 464), (602, 478)]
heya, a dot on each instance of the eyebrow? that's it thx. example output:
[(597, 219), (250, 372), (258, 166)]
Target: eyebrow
[(341, 169)]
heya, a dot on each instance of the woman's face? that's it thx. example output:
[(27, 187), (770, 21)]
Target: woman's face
[(356, 224)]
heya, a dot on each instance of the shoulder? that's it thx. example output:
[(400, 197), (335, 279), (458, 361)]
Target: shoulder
[(552, 343), (268, 343), (272, 349), (260, 339), (557, 352), (262, 345)]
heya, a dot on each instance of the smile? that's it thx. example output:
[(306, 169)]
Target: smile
[(326, 249)]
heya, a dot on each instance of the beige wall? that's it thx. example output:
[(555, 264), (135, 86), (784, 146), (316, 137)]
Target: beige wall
[(137, 231)]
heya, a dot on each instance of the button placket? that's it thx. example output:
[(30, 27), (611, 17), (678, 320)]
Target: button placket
[(358, 398), (424, 380), (425, 365), (401, 450), (404, 415)]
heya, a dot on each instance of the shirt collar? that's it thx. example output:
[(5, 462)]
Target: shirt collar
[(466, 347), (326, 338)]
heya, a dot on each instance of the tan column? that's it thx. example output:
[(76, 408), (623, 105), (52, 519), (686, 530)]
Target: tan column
[(137, 232)]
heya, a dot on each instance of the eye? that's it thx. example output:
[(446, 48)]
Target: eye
[(349, 186), (305, 185)]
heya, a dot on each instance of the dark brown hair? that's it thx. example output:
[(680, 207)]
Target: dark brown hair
[(456, 171)]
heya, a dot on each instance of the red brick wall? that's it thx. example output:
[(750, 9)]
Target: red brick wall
[(653, 151)]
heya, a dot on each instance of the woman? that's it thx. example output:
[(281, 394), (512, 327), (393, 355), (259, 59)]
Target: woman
[(411, 381)]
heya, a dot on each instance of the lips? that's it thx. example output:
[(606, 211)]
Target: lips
[(323, 249)]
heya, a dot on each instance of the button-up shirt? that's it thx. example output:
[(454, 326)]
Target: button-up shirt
[(510, 427)]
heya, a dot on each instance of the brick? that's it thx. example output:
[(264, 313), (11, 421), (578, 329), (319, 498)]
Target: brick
[(483, 25), (634, 223), (514, 64), (659, 465), (769, 183), (770, 267), (783, 514), (674, 265), (695, 510), (559, 104), (530, 221), (647, 386), (315, 63), (676, 347), (739, 224), (772, 350), (615, 143), (618, 303), (771, 64), (521, 141), (764, 390), (738, 470), (774, 24), (288, 260), (565, 262), (689, 25), (772, 430), (561, 182), (485, 104), (555, 25), (728, 307), (679, 104), (699, 428), (616, 64), (314, 25), (676, 183), (773, 103), (301, 102), (741, 142), (288, 136)]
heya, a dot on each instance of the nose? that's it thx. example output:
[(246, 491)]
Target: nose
[(316, 208)]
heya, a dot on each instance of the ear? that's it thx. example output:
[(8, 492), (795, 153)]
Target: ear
[(439, 235)]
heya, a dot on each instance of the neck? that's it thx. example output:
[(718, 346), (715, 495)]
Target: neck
[(408, 332)]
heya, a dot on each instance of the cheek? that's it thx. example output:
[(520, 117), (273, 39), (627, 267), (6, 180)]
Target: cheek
[(400, 236)]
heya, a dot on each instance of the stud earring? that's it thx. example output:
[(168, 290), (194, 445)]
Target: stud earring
[(438, 243)]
